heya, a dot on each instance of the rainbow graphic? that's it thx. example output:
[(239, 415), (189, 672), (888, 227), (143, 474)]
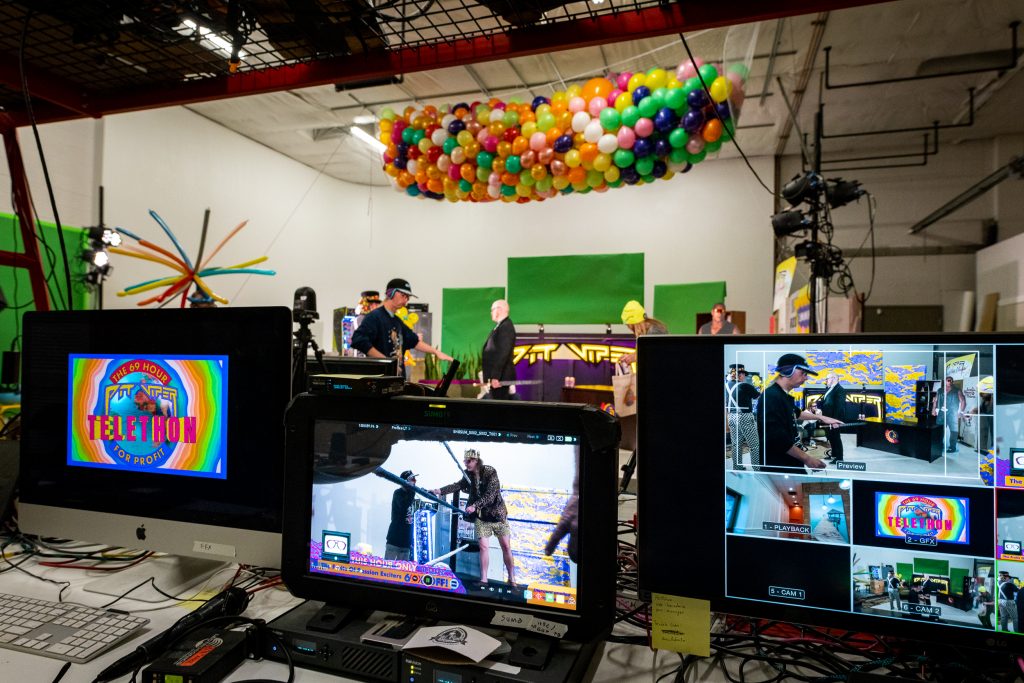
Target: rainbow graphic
[(921, 520), (164, 414)]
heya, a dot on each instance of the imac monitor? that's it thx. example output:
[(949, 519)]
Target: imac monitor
[(452, 508), (894, 525), (157, 429)]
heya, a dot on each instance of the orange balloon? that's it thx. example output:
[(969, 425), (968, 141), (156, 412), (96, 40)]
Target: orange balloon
[(564, 121), (392, 171), (509, 178), (468, 172), (421, 175), (596, 87), (520, 145), (552, 135), (712, 130), (577, 175), (504, 149), (405, 179), (588, 152), (498, 165), (538, 171), (527, 115), (435, 185)]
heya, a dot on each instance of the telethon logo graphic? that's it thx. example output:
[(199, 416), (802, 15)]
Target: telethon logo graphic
[(921, 520), (141, 413)]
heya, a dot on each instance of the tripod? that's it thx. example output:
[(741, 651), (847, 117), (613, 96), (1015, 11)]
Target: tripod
[(627, 472), (303, 341)]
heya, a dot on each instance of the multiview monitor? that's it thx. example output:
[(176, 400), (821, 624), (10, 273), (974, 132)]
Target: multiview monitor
[(157, 429), (453, 509), (869, 482)]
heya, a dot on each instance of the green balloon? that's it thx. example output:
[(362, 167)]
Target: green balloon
[(449, 145), (508, 190), (630, 115), (691, 85), (649, 179), (675, 98), (484, 159), (465, 185), (387, 113), (512, 164), (621, 158), (713, 147), (407, 135), (526, 179), (595, 178), (709, 73), (679, 155), (645, 165), (678, 138), (417, 135), (510, 118), (698, 157), (740, 69), (615, 183), (659, 95), (547, 121), (544, 184), (648, 107), (611, 120)]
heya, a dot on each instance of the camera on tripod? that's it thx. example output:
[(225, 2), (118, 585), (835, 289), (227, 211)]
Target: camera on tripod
[(304, 307)]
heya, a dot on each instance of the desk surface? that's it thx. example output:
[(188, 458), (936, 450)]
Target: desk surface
[(622, 664)]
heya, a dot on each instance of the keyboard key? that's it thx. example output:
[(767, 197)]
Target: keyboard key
[(58, 648), (20, 630)]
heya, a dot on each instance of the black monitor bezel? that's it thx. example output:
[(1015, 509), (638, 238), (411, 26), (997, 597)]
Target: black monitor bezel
[(353, 365), (257, 342), (666, 366), (599, 435)]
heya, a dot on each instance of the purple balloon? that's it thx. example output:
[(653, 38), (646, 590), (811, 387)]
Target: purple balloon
[(723, 111), (660, 167), (640, 93), (642, 147), (563, 144), (697, 98), (664, 120), (539, 100), (662, 147), (688, 167), (456, 126), (400, 163), (693, 121)]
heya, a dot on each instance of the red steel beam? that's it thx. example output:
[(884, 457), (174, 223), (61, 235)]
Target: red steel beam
[(29, 258), (598, 30), (45, 86)]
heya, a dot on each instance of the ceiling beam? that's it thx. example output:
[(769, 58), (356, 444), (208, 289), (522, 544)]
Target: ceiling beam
[(45, 86), (539, 39)]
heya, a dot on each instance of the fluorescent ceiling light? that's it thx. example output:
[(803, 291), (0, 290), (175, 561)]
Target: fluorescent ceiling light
[(364, 119), (367, 139), (219, 43)]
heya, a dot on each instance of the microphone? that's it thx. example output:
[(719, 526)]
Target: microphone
[(231, 602)]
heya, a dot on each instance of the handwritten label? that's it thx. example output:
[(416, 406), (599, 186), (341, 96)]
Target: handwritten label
[(208, 548), (548, 628), (681, 624), (512, 620)]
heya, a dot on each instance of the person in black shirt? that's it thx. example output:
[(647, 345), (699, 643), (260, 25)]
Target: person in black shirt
[(892, 586), (777, 415), (383, 335), (399, 543), (1007, 602), (739, 398), (833, 404), (496, 358)]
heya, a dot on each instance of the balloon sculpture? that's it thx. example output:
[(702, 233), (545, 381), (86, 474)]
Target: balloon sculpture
[(629, 128), (187, 274)]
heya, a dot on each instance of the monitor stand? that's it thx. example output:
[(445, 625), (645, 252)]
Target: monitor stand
[(174, 575)]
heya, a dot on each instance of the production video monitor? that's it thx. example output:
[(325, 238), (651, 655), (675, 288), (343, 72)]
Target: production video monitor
[(454, 508), (868, 483), (157, 429)]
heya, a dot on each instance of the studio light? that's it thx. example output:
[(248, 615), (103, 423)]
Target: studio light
[(367, 139), (104, 236), (790, 222), (803, 188), (841, 192)]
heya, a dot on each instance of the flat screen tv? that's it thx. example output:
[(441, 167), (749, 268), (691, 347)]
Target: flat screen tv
[(453, 509), (900, 521), (157, 429)]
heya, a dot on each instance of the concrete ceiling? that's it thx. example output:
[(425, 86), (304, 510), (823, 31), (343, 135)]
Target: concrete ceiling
[(881, 41)]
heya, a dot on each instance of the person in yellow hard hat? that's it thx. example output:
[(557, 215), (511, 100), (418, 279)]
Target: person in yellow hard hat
[(635, 318)]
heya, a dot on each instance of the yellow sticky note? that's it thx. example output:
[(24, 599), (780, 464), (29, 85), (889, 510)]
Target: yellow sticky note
[(681, 624)]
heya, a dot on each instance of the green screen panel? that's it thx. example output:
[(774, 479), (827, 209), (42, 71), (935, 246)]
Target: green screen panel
[(585, 289), (15, 282), (904, 571), (678, 305), (956, 580), (929, 565), (466, 319)]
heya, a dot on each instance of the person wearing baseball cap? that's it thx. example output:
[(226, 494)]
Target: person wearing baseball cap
[(382, 334), (399, 541), (635, 318), (740, 397), (777, 415)]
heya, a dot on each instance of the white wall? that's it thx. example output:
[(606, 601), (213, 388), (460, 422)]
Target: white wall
[(709, 224), (760, 502), (73, 154)]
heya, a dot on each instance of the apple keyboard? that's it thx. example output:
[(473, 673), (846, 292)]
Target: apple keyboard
[(62, 630)]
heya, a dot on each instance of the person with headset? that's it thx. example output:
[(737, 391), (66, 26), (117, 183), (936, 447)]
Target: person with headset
[(777, 415), (382, 333)]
